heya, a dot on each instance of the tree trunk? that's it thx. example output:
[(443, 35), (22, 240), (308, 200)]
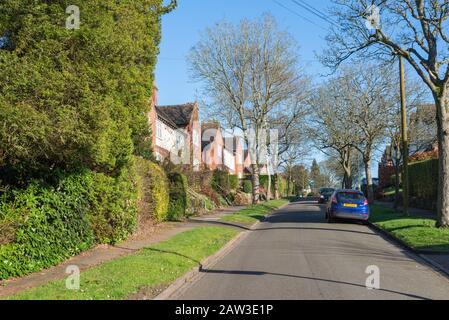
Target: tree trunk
[(289, 191), (397, 186), (269, 187), (256, 183), (369, 181), (442, 103), (276, 186), (347, 181)]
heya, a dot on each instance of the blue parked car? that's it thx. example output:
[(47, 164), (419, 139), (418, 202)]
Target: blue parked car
[(347, 204)]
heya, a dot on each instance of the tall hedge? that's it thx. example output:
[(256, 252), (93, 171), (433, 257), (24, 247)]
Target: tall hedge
[(179, 200), (50, 224), (423, 182), (47, 224), (154, 191), (72, 101), (80, 95), (113, 206)]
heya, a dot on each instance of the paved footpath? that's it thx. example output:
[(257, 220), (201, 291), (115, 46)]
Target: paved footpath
[(148, 235), (294, 254)]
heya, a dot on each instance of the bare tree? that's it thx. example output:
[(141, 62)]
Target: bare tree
[(291, 139), (372, 102), (248, 70), (352, 113), (416, 30), (418, 137), (329, 127)]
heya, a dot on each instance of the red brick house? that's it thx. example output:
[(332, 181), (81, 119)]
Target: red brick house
[(222, 151), (386, 168), (176, 133)]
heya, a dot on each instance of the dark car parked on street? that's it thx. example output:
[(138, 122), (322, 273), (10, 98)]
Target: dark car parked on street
[(325, 194), (347, 204)]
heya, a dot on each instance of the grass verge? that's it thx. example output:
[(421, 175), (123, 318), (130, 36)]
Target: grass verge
[(154, 267), (254, 213), (419, 233)]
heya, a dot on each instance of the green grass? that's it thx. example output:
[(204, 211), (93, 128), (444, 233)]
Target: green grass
[(418, 232), (254, 213), (149, 268)]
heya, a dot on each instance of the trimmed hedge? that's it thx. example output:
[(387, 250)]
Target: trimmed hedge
[(52, 225), (48, 224), (113, 213), (154, 192), (179, 200), (247, 186), (423, 182)]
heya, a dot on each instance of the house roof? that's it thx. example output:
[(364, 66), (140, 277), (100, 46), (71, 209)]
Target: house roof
[(207, 126), (166, 118), (179, 115)]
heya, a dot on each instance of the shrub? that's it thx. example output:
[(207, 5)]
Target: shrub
[(154, 193), (212, 195), (51, 225), (283, 185), (113, 212), (47, 224), (198, 203), (423, 181), (242, 199), (221, 182), (234, 182), (179, 201), (247, 186)]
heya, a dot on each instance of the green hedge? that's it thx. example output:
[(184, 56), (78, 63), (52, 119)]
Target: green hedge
[(47, 224), (247, 186), (113, 213), (221, 182), (282, 187), (154, 191), (234, 182), (423, 182), (52, 225), (179, 200)]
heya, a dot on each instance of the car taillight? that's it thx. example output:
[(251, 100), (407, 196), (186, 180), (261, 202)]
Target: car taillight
[(334, 200), (366, 202)]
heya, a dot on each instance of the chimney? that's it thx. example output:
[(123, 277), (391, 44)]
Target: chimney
[(154, 96)]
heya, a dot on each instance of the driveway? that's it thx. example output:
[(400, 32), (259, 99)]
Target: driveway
[(295, 254)]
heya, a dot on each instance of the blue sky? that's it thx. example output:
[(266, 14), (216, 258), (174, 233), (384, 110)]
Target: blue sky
[(181, 30), (182, 27)]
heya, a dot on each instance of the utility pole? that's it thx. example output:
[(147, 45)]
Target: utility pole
[(405, 183)]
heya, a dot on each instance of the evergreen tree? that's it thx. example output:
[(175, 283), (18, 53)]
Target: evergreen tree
[(76, 98)]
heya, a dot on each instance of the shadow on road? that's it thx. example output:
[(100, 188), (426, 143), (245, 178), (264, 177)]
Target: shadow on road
[(262, 273)]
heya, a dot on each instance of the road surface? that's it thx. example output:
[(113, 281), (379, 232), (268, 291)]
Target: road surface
[(295, 254)]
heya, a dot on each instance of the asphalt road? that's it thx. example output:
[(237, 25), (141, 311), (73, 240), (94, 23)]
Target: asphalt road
[(295, 254)]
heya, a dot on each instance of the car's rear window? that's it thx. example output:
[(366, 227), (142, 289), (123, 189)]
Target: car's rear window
[(350, 196), (327, 191)]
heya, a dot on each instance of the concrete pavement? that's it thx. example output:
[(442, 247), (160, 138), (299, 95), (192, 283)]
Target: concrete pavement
[(294, 254)]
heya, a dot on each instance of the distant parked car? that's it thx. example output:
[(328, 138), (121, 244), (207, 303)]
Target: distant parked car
[(325, 194), (347, 204)]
